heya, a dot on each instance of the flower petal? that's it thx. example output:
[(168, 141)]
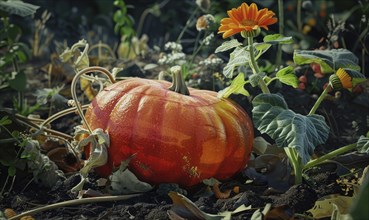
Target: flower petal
[(345, 78), (253, 11), (246, 18)]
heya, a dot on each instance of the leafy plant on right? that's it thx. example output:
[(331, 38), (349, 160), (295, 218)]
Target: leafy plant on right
[(297, 134)]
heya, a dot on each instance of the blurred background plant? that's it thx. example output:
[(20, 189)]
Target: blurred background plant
[(13, 52)]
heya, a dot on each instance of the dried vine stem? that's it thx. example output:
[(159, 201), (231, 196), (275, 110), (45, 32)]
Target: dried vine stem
[(75, 202), (41, 127), (74, 85)]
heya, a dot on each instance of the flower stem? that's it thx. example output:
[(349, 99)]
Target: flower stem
[(296, 163), (197, 49), (329, 155), (299, 7), (320, 99), (254, 66), (187, 25), (281, 31)]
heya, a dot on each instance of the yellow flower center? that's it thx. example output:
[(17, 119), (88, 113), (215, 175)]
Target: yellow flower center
[(246, 22)]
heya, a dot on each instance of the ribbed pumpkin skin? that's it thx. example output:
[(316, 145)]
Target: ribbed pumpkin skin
[(176, 138)]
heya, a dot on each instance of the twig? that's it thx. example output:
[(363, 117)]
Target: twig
[(75, 202)]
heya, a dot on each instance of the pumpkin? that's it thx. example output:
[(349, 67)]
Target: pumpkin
[(182, 136)]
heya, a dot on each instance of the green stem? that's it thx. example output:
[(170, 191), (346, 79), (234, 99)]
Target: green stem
[(20, 93), (281, 31), (254, 66), (271, 80), (197, 49), (184, 29), (320, 99), (299, 22), (329, 155), (142, 19), (296, 163)]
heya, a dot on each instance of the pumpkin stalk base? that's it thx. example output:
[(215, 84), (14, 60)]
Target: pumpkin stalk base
[(179, 84)]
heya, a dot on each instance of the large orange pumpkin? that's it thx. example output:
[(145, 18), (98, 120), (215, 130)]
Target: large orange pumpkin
[(177, 138)]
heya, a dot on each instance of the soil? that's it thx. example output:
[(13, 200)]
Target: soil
[(156, 203)]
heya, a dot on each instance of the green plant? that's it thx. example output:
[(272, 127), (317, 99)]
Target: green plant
[(21, 153), (41, 36), (123, 23), (297, 134), (12, 51)]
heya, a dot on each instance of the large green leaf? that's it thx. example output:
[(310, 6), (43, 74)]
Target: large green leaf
[(255, 78), (260, 49), (356, 77), (18, 7), (236, 87), (239, 57), (19, 82), (363, 145), (227, 45), (277, 39), (289, 129), (329, 60), (360, 206), (288, 77)]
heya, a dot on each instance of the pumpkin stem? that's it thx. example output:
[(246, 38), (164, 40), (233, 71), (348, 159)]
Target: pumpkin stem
[(178, 84)]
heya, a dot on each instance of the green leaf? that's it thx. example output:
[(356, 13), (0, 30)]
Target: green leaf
[(227, 45), (363, 145), (239, 57), (277, 39), (18, 7), (13, 31), (12, 170), (15, 134), (255, 79), (330, 60), (261, 48), (19, 82), (22, 51), (360, 204), (5, 121), (117, 17), (236, 87), (289, 129), (288, 77), (356, 76)]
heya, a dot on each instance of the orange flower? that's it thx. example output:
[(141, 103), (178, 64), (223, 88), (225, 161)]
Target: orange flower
[(246, 18)]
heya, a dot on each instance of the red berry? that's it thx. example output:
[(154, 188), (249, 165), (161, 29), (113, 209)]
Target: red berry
[(358, 89), (319, 75), (315, 67), (302, 86), (303, 79)]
